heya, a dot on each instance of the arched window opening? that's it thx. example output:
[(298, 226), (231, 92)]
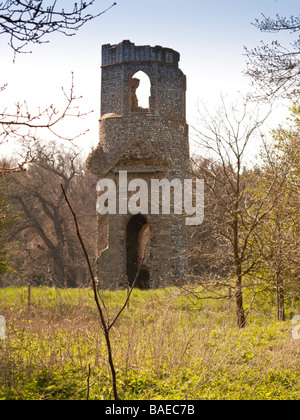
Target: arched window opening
[(137, 251), (140, 92)]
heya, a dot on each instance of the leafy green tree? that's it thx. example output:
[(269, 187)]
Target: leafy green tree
[(279, 241)]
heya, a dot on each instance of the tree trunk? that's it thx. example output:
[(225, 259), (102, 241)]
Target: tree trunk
[(279, 279), (241, 319), (240, 313), (280, 297), (59, 273)]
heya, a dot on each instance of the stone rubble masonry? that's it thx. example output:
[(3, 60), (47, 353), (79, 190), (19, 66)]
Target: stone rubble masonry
[(148, 144)]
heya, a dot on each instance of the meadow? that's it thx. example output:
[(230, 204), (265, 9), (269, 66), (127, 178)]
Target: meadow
[(167, 345)]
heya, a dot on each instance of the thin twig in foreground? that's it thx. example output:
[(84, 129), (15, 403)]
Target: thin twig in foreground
[(104, 326)]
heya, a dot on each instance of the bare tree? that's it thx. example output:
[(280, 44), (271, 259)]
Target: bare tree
[(31, 21), (274, 68), (22, 124), (5, 222), (28, 22), (239, 208), (43, 245)]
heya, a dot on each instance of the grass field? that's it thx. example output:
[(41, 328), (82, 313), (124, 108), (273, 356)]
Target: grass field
[(165, 345)]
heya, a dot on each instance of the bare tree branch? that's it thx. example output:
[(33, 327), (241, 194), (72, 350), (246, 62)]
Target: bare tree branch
[(26, 126), (31, 21), (274, 69)]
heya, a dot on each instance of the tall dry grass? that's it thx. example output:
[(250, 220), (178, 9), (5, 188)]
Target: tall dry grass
[(165, 346)]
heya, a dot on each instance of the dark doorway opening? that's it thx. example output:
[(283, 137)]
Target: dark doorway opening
[(137, 240)]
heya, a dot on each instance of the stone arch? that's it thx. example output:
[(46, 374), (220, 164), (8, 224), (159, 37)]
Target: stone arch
[(137, 251), (140, 87)]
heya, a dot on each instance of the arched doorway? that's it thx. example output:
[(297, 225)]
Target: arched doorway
[(137, 250)]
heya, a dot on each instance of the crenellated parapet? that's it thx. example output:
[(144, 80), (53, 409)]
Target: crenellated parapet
[(128, 52)]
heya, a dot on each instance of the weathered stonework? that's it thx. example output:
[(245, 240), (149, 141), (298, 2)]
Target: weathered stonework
[(148, 144)]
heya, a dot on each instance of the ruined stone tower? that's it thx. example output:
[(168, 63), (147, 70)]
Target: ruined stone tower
[(148, 143)]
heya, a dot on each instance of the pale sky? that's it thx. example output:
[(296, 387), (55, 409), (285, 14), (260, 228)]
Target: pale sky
[(209, 35)]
